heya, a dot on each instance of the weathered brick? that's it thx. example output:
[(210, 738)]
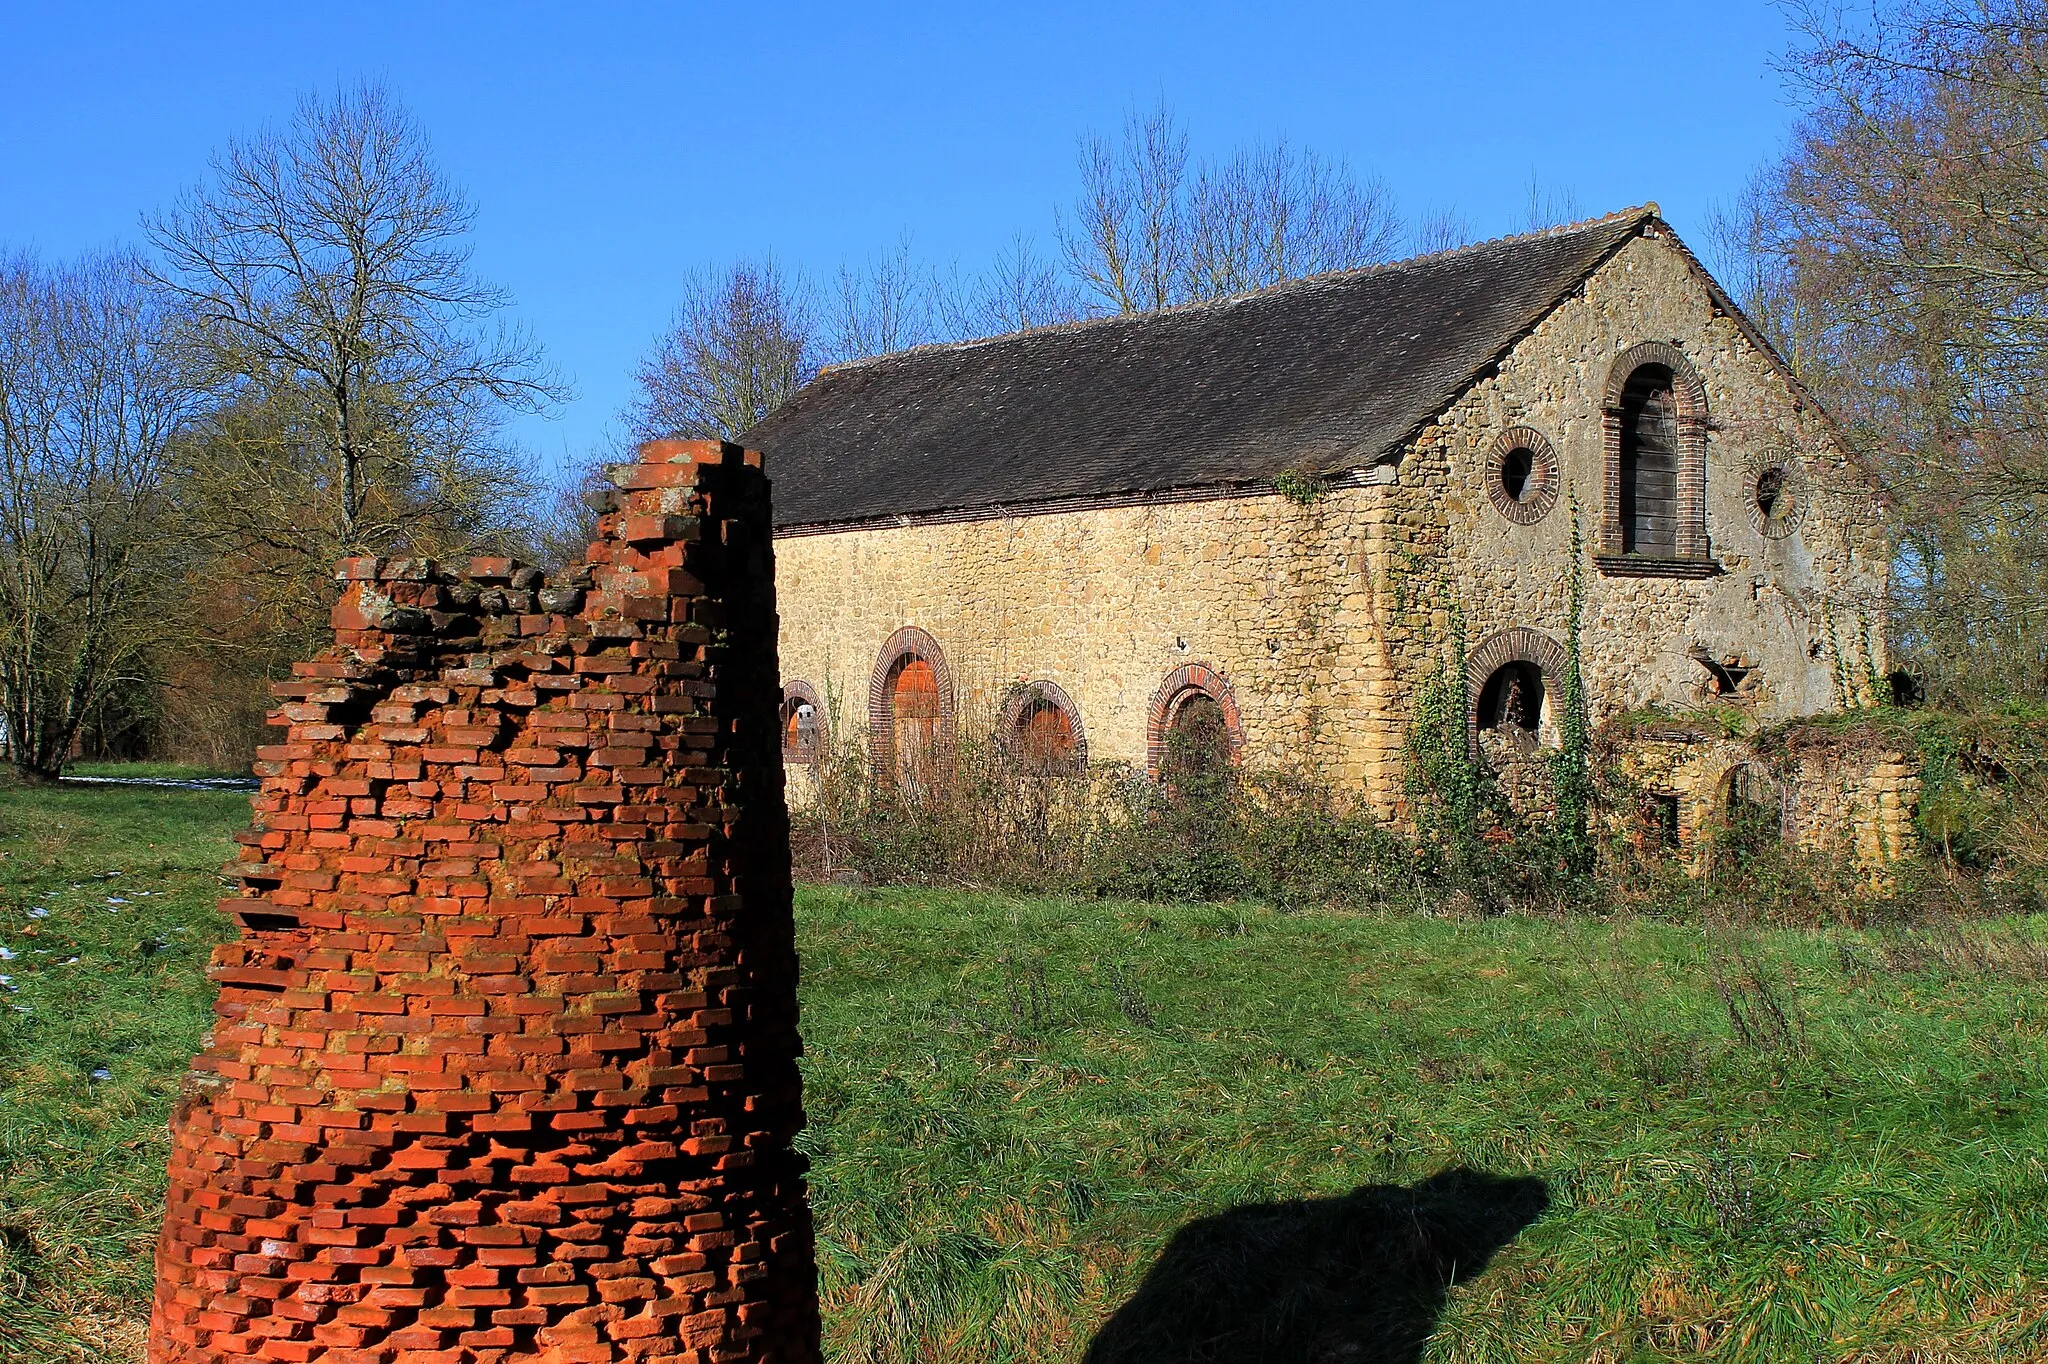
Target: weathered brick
[(432, 1135)]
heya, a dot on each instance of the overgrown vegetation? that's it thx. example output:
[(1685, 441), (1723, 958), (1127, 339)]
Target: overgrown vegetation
[(1754, 1145), (1204, 832), (1288, 838)]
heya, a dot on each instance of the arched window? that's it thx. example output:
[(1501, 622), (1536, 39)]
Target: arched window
[(1655, 423), (910, 707), (914, 717), (1649, 464), (1511, 700), (1509, 682), (1197, 739), (1194, 725), (1751, 810), (1040, 729), (803, 724)]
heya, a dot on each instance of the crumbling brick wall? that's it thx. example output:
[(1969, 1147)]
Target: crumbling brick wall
[(505, 1066)]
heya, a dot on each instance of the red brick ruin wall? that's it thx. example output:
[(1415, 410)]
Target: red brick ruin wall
[(506, 1060)]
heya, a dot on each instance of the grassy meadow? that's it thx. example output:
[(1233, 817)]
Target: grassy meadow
[(1207, 1131)]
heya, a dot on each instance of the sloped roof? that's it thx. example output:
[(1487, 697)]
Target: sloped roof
[(1329, 373)]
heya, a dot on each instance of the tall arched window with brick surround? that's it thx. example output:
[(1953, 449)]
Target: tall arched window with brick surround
[(1655, 426), (910, 707), (1193, 720)]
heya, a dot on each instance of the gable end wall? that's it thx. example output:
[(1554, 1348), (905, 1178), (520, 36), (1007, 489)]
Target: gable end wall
[(1793, 608)]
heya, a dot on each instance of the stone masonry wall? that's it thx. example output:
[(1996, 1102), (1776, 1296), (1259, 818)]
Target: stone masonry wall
[(1792, 606), (505, 1062), (1106, 604), (1325, 616), (1847, 800)]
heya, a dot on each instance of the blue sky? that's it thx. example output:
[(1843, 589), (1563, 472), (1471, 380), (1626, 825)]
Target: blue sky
[(612, 147)]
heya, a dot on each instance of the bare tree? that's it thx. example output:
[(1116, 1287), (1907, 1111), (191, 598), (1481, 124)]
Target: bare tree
[(1275, 213), (91, 398), (1128, 239), (1549, 207), (326, 269), (1899, 252), (563, 520), (1151, 231), (1021, 290), (743, 340), (1442, 229), (885, 304)]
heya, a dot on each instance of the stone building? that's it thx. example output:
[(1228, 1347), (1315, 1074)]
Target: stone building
[(1281, 511)]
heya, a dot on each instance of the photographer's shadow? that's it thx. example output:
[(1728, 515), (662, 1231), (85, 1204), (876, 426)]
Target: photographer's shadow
[(1359, 1279)]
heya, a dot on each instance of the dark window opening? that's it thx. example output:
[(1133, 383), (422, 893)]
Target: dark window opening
[(1515, 467), (1770, 485), (1197, 739), (1512, 699), (1660, 821), (1725, 676), (1649, 464)]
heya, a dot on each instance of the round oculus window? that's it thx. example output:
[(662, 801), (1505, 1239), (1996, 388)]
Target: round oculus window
[(1521, 476), (1774, 493)]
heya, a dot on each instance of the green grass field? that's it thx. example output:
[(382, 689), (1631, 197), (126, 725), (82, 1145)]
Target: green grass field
[(1530, 1139)]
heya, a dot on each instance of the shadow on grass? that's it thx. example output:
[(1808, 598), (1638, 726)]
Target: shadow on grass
[(1354, 1280)]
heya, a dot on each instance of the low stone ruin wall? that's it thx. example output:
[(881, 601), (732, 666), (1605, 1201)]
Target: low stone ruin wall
[(1832, 797), (505, 1063)]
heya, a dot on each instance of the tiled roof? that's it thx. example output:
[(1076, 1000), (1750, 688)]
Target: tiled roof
[(1330, 373)]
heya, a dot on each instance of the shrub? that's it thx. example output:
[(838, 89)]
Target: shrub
[(1207, 830)]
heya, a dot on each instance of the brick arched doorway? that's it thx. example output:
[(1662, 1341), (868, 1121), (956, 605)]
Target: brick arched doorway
[(1194, 718), (1040, 729), (1514, 681), (910, 708)]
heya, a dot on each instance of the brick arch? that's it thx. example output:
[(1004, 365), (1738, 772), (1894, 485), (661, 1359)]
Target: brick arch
[(1181, 683), (1691, 394), (1026, 694), (1541, 493), (1518, 644), (803, 692), (907, 643)]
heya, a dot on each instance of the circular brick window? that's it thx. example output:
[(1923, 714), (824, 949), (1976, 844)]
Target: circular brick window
[(1521, 475), (1775, 494)]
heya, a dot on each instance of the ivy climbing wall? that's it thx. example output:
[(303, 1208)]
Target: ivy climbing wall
[(505, 1066)]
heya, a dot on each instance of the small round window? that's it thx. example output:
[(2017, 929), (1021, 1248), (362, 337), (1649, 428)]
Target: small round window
[(1775, 493), (1521, 476)]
